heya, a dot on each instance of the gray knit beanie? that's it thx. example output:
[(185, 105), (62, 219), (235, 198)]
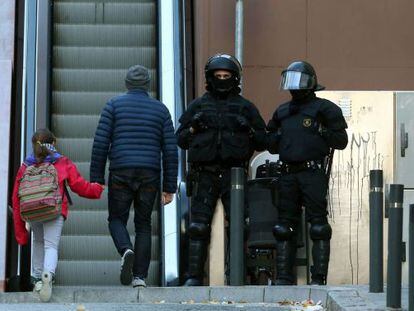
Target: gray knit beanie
[(137, 78)]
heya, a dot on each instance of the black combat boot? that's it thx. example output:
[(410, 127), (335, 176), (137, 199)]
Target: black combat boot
[(285, 263), (320, 256), (197, 256)]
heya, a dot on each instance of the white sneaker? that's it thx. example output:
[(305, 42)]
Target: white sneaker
[(45, 293), (38, 286), (127, 263), (138, 282)]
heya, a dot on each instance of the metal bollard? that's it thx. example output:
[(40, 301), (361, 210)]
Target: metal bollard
[(411, 260), (394, 246), (237, 226), (376, 252)]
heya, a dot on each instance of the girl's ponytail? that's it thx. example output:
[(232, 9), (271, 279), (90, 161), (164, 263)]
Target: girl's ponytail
[(42, 139)]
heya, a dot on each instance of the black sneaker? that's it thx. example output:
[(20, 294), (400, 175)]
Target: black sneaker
[(127, 263)]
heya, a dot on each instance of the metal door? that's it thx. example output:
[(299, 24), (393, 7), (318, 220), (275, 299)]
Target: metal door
[(404, 145), (404, 162)]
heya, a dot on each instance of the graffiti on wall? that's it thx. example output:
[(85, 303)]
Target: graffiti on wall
[(370, 146), (351, 173)]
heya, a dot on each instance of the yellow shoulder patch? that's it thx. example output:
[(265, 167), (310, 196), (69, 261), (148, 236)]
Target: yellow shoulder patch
[(307, 122)]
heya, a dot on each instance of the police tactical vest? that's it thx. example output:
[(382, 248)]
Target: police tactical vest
[(300, 138), (223, 138)]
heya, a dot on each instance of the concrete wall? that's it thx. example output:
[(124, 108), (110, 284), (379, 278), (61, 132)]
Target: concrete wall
[(371, 140), (7, 17), (354, 45)]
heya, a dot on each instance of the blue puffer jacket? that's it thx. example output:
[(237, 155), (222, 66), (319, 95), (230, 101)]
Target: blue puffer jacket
[(135, 131)]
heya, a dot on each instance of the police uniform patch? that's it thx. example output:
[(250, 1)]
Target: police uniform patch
[(307, 122)]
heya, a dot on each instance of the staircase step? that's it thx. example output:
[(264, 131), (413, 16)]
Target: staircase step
[(66, 125), (85, 103), (104, 273), (96, 247), (105, 1), (96, 223), (94, 80), (103, 57), (104, 35), (94, 43), (83, 168), (105, 13), (249, 298), (76, 149)]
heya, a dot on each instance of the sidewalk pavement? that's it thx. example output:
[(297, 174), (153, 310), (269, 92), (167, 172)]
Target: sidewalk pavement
[(202, 298)]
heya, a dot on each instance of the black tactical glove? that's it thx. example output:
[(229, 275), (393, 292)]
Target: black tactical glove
[(243, 123), (198, 123)]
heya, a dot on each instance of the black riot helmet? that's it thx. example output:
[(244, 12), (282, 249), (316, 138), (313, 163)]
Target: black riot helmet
[(222, 62), (300, 75)]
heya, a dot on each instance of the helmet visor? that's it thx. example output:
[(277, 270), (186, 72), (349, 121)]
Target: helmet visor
[(295, 80)]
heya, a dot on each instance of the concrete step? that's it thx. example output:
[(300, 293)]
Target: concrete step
[(106, 273), (139, 307), (334, 298), (184, 295)]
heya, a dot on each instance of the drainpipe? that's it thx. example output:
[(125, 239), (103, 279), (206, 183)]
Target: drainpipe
[(237, 184), (239, 32)]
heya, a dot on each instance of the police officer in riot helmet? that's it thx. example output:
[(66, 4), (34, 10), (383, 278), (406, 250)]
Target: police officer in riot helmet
[(304, 131), (221, 129)]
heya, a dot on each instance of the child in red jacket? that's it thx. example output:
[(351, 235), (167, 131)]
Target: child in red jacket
[(46, 235)]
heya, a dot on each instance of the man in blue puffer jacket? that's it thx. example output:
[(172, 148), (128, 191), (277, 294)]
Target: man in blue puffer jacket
[(136, 133)]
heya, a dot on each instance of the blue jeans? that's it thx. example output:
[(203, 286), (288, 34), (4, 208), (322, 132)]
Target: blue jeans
[(141, 187)]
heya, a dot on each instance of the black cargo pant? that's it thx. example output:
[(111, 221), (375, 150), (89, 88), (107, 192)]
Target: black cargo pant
[(141, 187), (306, 188), (211, 185)]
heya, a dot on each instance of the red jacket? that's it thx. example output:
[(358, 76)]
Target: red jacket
[(66, 170)]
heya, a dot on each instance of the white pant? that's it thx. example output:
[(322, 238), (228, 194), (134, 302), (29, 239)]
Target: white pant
[(46, 237)]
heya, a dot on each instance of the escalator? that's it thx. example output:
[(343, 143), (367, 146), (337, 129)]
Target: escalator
[(94, 42)]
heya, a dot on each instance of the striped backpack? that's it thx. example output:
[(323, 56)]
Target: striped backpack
[(40, 199)]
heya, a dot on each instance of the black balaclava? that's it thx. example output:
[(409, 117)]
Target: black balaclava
[(222, 85), (299, 97), (221, 88)]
